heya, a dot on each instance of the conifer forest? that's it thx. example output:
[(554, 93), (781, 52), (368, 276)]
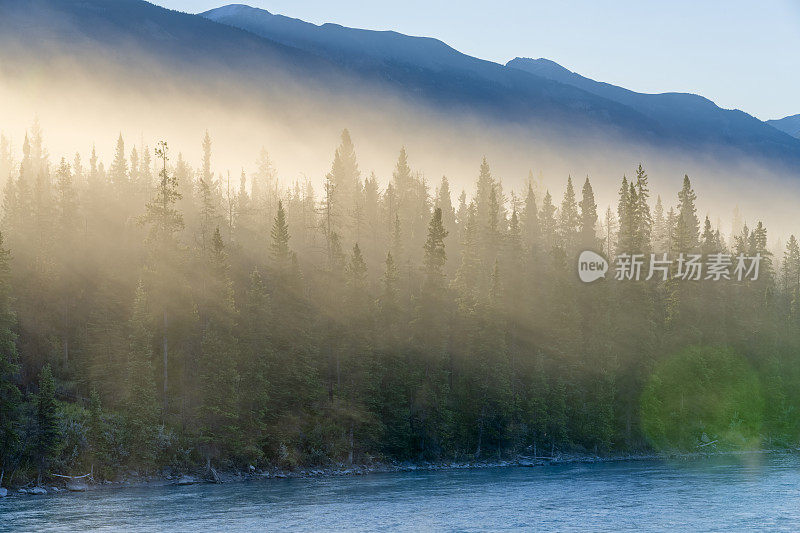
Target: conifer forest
[(158, 313)]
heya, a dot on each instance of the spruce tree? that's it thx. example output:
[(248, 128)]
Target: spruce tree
[(207, 176), (708, 240), (164, 221), (48, 431), (588, 232), (219, 387), (529, 221), (141, 401), (10, 397), (119, 168), (467, 280), (547, 223), (435, 256), (790, 270), (660, 233), (569, 221), (687, 226), (279, 246), (643, 216), (484, 187)]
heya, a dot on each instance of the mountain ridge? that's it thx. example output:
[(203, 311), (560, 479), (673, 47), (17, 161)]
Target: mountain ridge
[(680, 119), (790, 125), (275, 55)]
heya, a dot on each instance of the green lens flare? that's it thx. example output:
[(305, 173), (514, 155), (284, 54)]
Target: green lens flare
[(703, 398)]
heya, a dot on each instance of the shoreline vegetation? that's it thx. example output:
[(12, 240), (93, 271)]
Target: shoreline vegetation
[(134, 480), (158, 317)]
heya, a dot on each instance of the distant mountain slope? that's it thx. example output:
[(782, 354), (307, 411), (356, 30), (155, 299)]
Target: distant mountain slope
[(688, 115), (675, 119), (136, 35), (347, 45), (790, 125), (131, 33), (429, 68), (236, 47)]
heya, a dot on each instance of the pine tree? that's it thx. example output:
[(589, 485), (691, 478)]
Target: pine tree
[(627, 241), (569, 222), (758, 245), (258, 366), (435, 256), (588, 231), (67, 200), (660, 232), (207, 176), (209, 218), (141, 402), (389, 303), (669, 231), (218, 376), (165, 221), (643, 215), (48, 432), (445, 203), (430, 341), (119, 168), (264, 185), (467, 279), (547, 223), (529, 221), (344, 180), (484, 187), (218, 420), (161, 215), (687, 226), (279, 247), (9, 367), (135, 172), (708, 241), (611, 227), (790, 271)]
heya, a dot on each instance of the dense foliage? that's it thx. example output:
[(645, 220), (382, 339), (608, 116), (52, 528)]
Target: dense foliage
[(156, 315)]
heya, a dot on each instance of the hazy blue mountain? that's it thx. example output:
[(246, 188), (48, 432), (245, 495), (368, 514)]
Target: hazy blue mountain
[(135, 33), (790, 125), (428, 68), (688, 115), (251, 47), (678, 119)]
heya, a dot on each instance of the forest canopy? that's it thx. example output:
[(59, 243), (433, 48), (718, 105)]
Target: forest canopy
[(156, 314)]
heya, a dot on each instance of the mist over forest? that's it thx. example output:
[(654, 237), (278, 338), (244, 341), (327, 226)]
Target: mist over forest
[(221, 249), (157, 313)]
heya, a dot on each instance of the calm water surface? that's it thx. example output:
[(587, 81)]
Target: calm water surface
[(756, 492)]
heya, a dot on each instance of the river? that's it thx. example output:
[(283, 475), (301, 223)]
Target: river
[(724, 493)]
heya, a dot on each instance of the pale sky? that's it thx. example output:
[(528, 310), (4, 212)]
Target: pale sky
[(739, 53)]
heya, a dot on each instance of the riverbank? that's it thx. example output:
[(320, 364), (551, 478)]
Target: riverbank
[(133, 479)]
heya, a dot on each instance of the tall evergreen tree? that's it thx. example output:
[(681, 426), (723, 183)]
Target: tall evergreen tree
[(164, 221), (643, 215), (119, 168), (569, 221), (10, 397), (279, 247), (141, 401), (588, 227), (687, 226), (48, 431), (547, 223)]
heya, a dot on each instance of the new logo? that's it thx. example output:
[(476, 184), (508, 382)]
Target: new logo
[(591, 266)]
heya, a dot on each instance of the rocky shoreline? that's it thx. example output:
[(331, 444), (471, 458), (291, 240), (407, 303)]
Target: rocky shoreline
[(133, 479)]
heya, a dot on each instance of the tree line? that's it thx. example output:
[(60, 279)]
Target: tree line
[(153, 314)]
